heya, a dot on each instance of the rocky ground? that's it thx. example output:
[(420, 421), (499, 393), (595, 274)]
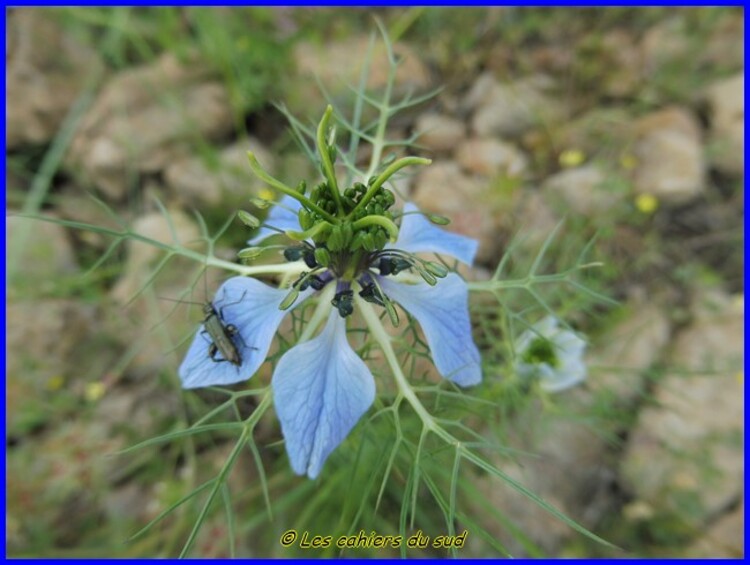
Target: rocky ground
[(627, 123)]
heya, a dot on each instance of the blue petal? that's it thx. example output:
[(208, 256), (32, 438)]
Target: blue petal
[(283, 216), (443, 312), (321, 389), (418, 235), (253, 308)]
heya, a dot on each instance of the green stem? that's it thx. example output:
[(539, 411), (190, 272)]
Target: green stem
[(385, 175), (322, 311), (281, 187), (384, 341), (526, 282), (379, 144), (278, 269), (212, 261), (247, 430), (326, 158), (379, 220)]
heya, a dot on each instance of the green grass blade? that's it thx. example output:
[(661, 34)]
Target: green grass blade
[(218, 483), (170, 509), (223, 427)]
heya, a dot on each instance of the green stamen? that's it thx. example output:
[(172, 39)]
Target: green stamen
[(385, 175)]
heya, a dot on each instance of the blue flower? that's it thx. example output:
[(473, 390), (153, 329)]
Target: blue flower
[(551, 354), (321, 387)]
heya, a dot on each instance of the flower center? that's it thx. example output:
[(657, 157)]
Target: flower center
[(363, 266), (541, 351), (363, 225), (351, 247)]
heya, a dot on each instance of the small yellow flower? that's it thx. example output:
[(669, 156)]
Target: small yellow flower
[(638, 510), (628, 161), (94, 391), (646, 203), (266, 194), (55, 383), (571, 158), (740, 376)]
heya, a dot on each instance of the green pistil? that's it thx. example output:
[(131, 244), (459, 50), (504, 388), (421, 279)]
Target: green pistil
[(541, 351), (324, 149), (385, 175), (381, 221), (315, 231)]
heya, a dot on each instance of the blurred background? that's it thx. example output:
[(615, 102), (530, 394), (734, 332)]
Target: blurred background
[(628, 123)]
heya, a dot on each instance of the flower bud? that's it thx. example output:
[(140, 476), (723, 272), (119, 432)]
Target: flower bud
[(436, 269), (250, 253), (289, 299), (438, 220), (248, 219)]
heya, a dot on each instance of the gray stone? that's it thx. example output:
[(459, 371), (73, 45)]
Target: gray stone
[(669, 154), (75, 204), (227, 179), (622, 61), (439, 132), (582, 190), (685, 455), (533, 219), (563, 461), (44, 354), (136, 408), (672, 43), (55, 479), (338, 64), (46, 69), (510, 109), (41, 254), (146, 318), (442, 188), (599, 134), (128, 503), (491, 157), (142, 257), (723, 539), (629, 349), (724, 48), (146, 117), (663, 44), (727, 108)]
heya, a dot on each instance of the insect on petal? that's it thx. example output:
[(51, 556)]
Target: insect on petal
[(283, 215), (253, 308), (418, 235), (321, 389), (443, 312)]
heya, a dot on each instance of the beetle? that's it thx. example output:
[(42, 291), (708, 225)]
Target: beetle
[(221, 336)]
